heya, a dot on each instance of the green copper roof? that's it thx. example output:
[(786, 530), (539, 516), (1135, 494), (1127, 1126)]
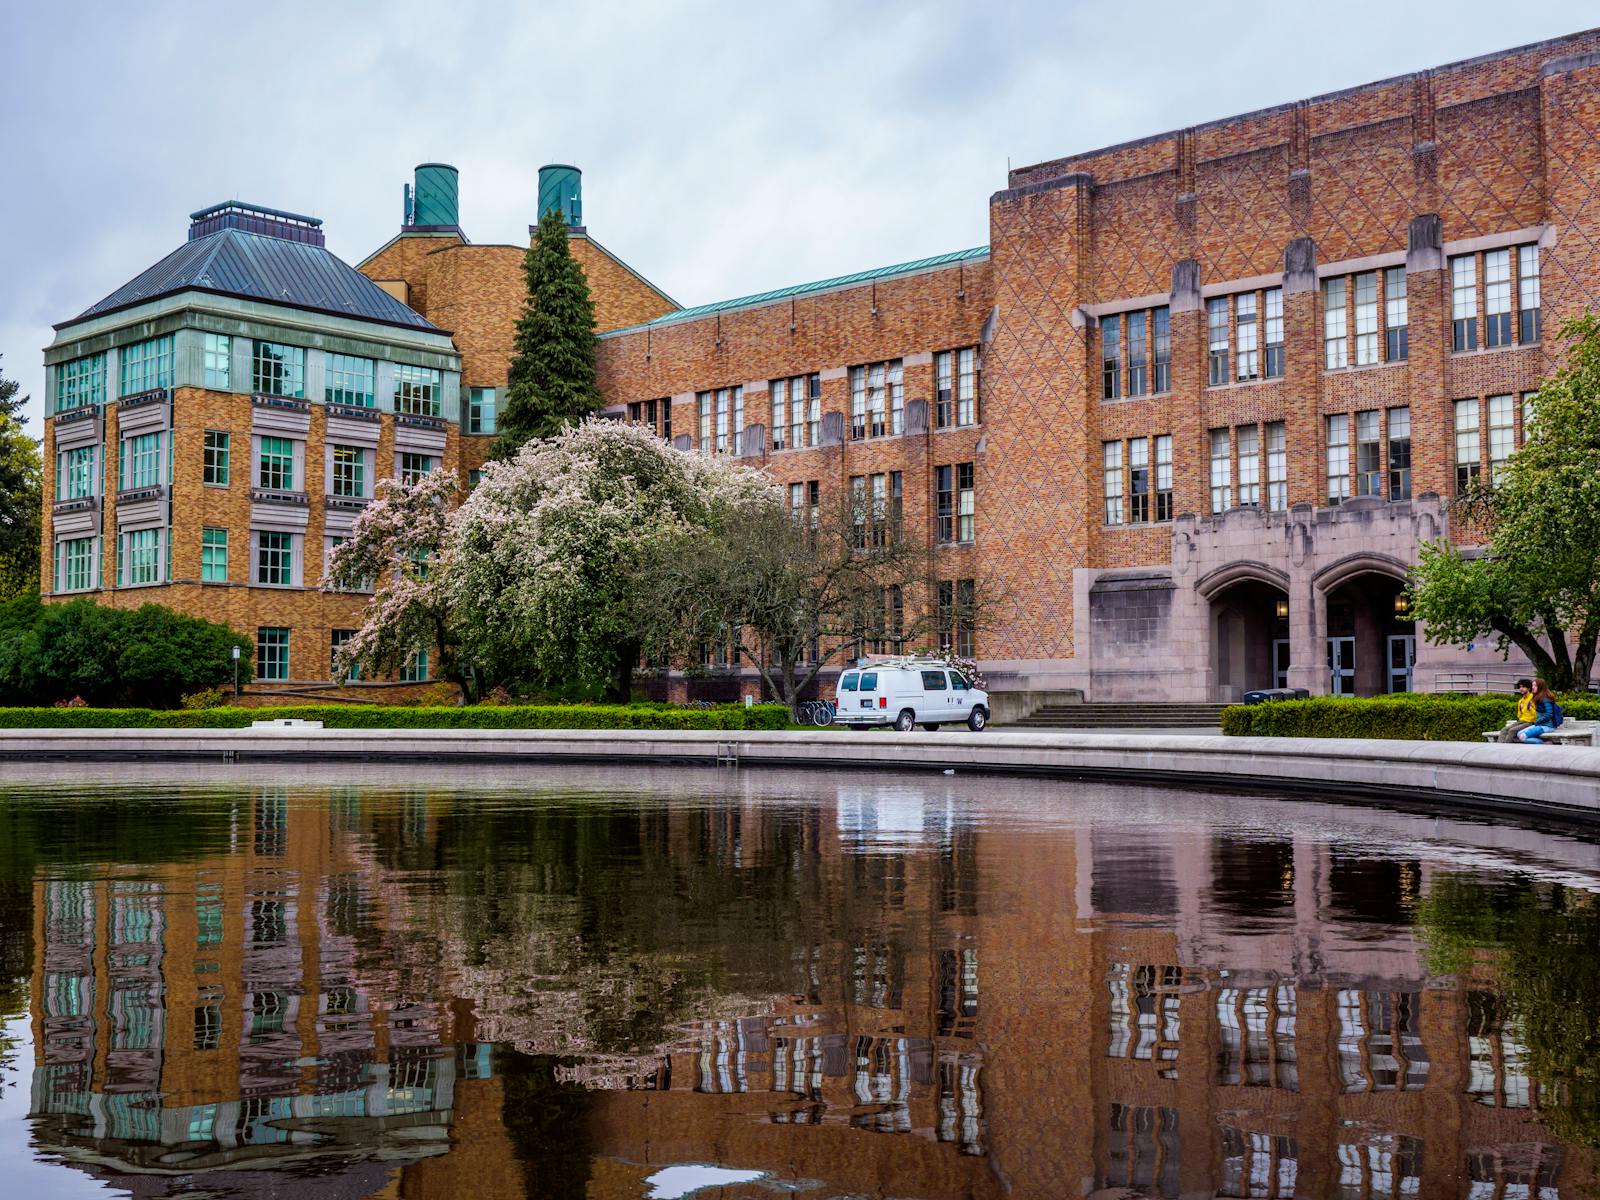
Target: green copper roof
[(976, 254)]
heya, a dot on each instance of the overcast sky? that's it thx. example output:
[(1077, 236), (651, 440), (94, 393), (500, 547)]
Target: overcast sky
[(726, 147)]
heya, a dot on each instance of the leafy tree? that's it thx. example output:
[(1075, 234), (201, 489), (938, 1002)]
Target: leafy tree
[(1535, 584), (21, 496), (552, 384)]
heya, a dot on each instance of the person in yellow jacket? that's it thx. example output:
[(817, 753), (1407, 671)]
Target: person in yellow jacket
[(1527, 712)]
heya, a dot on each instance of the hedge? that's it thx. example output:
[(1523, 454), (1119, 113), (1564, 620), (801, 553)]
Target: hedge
[(357, 716), (1426, 718)]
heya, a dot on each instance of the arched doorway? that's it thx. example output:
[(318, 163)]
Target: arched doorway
[(1249, 637), (1371, 635)]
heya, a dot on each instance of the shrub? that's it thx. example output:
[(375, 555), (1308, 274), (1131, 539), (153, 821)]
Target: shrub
[(353, 716), (205, 698), (1426, 718)]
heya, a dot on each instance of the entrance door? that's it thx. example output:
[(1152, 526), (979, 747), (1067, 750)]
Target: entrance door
[(1402, 657), (1342, 666), (1280, 662)]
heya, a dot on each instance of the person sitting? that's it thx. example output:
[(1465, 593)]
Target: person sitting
[(1526, 712), (1547, 715)]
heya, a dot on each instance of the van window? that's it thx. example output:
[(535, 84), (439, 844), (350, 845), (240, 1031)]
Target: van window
[(933, 681), (847, 682), (958, 681), (869, 681)]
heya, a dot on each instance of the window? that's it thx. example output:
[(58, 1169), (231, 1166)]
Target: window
[(1464, 302), (1249, 442), (272, 652), (1367, 319), (349, 471), (414, 466), (140, 559), (1164, 477), (275, 467), (1467, 446), (1113, 483), (1399, 454), (213, 555), (1138, 353), (1217, 340), (140, 465), (858, 511), (1369, 464), (1497, 298), (1162, 320), (146, 365), (1528, 294), (705, 402), (966, 605), (1277, 467), (1272, 306), (415, 669), (877, 400), (955, 388), (896, 500), (801, 398), (944, 504), (75, 565), (1111, 356), (77, 473), (481, 411), (216, 458), (81, 381), (1502, 434), (216, 360), (721, 420), (640, 412), (778, 391), (351, 380), (1246, 336), (1396, 318), (278, 370), (338, 640), (1338, 458), (1335, 340), (966, 502), (814, 502), (275, 558), (1221, 471), (1139, 480), (418, 391), (880, 509)]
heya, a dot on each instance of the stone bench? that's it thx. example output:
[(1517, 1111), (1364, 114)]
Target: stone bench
[(1571, 733)]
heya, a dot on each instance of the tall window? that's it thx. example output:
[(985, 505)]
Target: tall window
[(140, 560), (418, 390), (1246, 336), (414, 466), (1396, 317), (278, 370), (1164, 477), (1366, 319), (213, 555), (858, 511), (275, 467), (1138, 353), (1249, 442), (482, 411), (1399, 454), (944, 504), (75, 565), (275, 558), (351, 380), (1335, 334), (215, 470), (1338, 458), (349, 471), (705, 407), (877, 400), (1111, 356), (1217, 340), (338, 639), (1139, 480), (1113, 483), (1272, 305), (955, 388), (1221, 471), (1277, 467), (1497, 298), (721, 420), (966, 502), (1467, 446), (1528, 294), (802, 398), (146, 365), (1502, 434), (415, 668), (1369, 463), (80, 382), (141, 462), (77, 473), (217, 361), (778, 395), (272, 652), (1161, 319), (1464, 302)]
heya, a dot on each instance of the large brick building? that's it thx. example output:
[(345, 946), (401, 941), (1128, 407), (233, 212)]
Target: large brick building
[(1195, 407)]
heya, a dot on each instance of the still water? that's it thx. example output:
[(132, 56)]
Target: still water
[(621, 983)]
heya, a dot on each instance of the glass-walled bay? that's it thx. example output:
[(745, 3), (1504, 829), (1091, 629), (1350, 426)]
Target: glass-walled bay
[(608, 983)]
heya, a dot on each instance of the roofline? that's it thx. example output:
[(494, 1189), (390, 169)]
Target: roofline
[(255, 208), (329, 312), (839, 283), (1339, 94), (600, 246), (405, 232)]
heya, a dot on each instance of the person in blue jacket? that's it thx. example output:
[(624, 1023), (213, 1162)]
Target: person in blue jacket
[(1547, 716)]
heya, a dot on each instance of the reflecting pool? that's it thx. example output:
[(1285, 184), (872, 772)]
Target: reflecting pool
[(654, 982)]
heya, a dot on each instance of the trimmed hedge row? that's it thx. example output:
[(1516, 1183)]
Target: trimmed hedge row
[(358, 716), (1425, 718)]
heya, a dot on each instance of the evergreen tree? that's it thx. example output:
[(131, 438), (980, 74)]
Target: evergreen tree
[(552, 383), (21, 496)]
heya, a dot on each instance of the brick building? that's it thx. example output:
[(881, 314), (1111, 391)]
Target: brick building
[(1194, 409)]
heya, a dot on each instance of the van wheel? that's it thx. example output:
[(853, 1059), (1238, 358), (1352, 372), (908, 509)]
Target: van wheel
[(977, 719), (934, 728), (906, 721)]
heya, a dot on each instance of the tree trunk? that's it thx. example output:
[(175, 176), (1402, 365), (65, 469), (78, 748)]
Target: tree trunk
[(1583, 661), (620, 689), (1544, 666)]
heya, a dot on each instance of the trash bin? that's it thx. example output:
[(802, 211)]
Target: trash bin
[(1268, 695)]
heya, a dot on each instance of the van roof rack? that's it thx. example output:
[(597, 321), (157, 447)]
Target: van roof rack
[(899, 660)]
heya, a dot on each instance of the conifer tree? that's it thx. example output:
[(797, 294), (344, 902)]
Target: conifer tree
[(20, 497), (552, 384)]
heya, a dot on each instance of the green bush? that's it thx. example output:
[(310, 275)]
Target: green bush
[(356, 716), (1425, 718)]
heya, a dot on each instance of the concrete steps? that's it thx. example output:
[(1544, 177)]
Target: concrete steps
[(1123, 716)]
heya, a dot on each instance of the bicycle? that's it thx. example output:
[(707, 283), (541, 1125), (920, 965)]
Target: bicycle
[(815, 712)]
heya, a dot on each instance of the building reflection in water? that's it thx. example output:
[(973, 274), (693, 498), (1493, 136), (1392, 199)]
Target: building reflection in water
[(367, 983)]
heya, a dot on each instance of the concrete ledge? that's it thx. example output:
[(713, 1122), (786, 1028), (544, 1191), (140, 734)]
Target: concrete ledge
[(1551, 780)]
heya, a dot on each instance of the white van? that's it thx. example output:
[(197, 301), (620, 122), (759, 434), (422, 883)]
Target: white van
[(906, 692)]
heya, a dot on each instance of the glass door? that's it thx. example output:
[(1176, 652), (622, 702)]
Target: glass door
[(1280, 662), (1341, 666), (1402, 658)]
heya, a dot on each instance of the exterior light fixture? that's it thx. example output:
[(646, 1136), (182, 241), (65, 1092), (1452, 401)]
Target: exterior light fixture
[(1282, 609), (1402, 605)]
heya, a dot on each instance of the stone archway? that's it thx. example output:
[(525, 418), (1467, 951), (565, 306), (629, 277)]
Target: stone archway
[(1248, 626), (1369, 633)]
